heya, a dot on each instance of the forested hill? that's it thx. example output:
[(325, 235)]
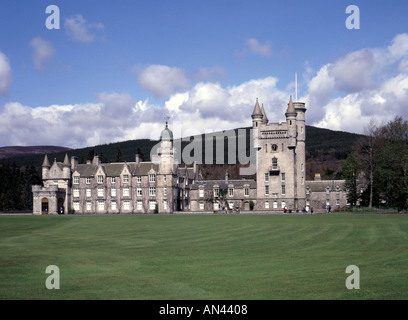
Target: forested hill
[(324, 150)]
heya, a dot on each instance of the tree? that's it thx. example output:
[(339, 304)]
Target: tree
[(368, 148), (218, 195), (350, 173)]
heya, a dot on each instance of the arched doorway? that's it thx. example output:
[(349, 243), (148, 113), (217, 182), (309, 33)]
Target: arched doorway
[(61, 209), (44, 206)]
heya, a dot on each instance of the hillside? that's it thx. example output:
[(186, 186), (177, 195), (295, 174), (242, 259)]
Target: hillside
[(17, 151), (324, 151)]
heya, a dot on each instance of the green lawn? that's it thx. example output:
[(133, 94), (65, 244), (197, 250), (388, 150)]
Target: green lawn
[(204, 256)]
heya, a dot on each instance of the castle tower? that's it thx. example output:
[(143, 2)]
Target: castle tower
[(166, 151), (45, 167)]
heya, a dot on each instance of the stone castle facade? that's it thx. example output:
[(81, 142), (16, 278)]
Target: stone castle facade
[(164, 186)]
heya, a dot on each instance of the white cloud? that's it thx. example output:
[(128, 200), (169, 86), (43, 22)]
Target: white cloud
[(5, 74), (78, 29), (43, 53), (371, 82), (162, 81), (255, 47)]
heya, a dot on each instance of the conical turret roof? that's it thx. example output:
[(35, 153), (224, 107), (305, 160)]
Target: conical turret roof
[(257, 110), (66, 161), (265, 118), (291, 109), (46, 163)]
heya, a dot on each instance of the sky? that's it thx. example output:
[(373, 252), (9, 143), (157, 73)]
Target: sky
[(82, 73)]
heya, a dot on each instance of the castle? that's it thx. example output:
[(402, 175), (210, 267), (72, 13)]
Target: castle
[(164, 186)]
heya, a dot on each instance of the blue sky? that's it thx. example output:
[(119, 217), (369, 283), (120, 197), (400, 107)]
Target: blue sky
[(114, 69)]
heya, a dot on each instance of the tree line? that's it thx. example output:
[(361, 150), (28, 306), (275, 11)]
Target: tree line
[(15, 186), (376, 171)]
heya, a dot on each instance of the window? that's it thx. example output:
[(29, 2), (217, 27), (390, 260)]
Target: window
[(283, 204), (88, 180), (139, 192), (303, 180), (139, 179), (139, 205), (216, 206), (301, 167), (152, 205), (246, 192), (152, 191), (231, 205), (126, 192), (283, 176), (266, 177), (201, 193), (283, 189), (100, 192), (88, 193), (165, 204), (231, 192), (113, 205), (274, 163), (76, 193), (337, 202), (201, 205), (100, 179), (307, 190), (164, 178), (76, 205), (125, 178), (267, 205), (275, 205), (327, 202), (113, 192), (165, 191), (327, 190), (76, 180), (88, 206), (101, 205), (126, 205), (337, 189), (152, 178), (266, 190), (216, 192)]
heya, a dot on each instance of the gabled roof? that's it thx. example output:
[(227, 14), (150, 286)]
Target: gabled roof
[(86, 170), (144, 167)]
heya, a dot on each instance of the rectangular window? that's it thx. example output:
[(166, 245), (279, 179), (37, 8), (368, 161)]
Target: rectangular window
[(76, 193), (88, 193), (266, 205), (139, 205), (246, 192), (283, 176), (139, 192), (201, 193), (100, 192), (113, 180), (88, 206), (231, 192), (152, 205), (152, 191), (165, 204), (139, 179), (88, 180), (266, 190), (101, 205), (164, 178), (113, 205), (76, 205), (283, 189), (216, 192), (100, 179), (113, 192), (283, 204), (266, 177), (275, 205), (76, 180), (126, 205), (152, 178), (201, 205), (125, 178), (337, 202), (165, 191), (126, 192), (216, 206), (274, 163), (231, 205)]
